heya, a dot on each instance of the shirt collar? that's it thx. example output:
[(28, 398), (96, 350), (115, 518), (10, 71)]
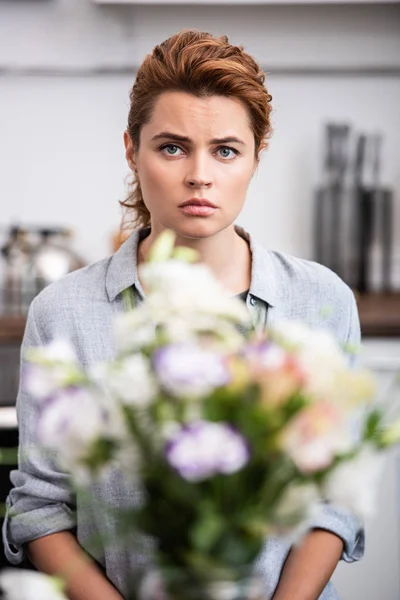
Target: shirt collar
[(122, 271), (264, 280)]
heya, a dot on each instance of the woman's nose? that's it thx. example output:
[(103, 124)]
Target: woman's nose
[(198, 174), (198, 183)]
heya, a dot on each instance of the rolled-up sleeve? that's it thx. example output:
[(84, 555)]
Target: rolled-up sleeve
[(40, 502), (345, 525), (341, 522)]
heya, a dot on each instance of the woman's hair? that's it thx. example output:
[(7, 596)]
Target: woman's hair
[(202, 65)]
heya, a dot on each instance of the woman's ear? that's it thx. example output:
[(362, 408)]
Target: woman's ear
[(129, 151)]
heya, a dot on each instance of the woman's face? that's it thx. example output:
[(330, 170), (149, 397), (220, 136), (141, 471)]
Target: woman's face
[(195, 161)]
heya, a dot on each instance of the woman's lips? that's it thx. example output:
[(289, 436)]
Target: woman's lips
[(198, 210), (199, 207)]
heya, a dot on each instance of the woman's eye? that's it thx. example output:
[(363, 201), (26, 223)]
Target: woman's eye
[(171, 149), (226, 152)]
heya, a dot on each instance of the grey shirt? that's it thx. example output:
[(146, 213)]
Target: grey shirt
[(81, 307)]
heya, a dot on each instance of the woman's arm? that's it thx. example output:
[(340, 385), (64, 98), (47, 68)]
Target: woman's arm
[(41, 506), (309, 566), (60, 554)]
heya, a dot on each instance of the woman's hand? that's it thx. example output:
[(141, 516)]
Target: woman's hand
[(60, 554), (309, 567)]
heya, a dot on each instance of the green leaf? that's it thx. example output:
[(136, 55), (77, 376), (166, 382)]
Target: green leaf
[(128, 298), (185, 254), (163, 247), (372, 425), (138, 435), (238, 549), (207, 531), (100, 453)]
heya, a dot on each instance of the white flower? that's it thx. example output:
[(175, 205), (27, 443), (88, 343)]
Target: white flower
[(18, 584), (58, 350), (315, 343), (49, 368), (187, 326), (291, 333), (127, 460), (183, 301), (130, 379), (318, 354), (170, 429), (176, 286), (299, 504), (134, 330), (167, 276), (316, 435), (354, 484), (41, 382), (70, 423)]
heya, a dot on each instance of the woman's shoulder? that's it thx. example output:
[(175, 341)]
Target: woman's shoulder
[(75, 293), (282, 278), (305, 277), (309, 291), (79, 284)]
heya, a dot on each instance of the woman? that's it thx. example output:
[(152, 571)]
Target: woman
[(198, 121)]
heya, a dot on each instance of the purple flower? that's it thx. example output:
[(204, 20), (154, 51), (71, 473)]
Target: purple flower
[(187, 370), (203, 449), (265, 354)]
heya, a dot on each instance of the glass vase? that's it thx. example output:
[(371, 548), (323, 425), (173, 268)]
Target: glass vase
[(175, 584)]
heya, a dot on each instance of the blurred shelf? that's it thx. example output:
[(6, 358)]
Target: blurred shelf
[(379, 314), (12, 328), (379, 317)]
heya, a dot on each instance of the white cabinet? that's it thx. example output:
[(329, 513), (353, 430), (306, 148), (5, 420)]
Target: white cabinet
[(377, 575)]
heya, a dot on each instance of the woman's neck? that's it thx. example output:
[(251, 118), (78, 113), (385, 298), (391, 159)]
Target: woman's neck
[(226, 254)]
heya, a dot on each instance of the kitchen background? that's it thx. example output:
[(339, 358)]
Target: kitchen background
[(66, 67)]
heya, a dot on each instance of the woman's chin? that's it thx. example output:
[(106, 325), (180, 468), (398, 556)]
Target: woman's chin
[(196, 227)]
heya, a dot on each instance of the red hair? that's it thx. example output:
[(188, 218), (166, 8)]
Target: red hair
[(203, 65)]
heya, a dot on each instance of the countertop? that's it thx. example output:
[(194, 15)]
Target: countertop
[(11, 328), (379, 314), (379, 317)]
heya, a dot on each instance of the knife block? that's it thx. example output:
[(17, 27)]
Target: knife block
[(353, 235)]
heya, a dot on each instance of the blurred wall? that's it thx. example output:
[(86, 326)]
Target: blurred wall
[(66, 67)]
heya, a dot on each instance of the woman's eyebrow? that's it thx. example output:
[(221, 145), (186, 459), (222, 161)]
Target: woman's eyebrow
[(227, 140), (182, 138), (171, 136)]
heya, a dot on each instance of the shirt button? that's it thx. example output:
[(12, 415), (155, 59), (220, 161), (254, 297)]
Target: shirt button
[(253, 301)]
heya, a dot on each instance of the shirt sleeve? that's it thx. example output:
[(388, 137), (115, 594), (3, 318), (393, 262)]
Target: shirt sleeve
[(41, 501), (353, 340), (343, 523)]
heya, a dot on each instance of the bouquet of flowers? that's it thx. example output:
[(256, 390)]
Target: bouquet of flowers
[(235, 437)]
